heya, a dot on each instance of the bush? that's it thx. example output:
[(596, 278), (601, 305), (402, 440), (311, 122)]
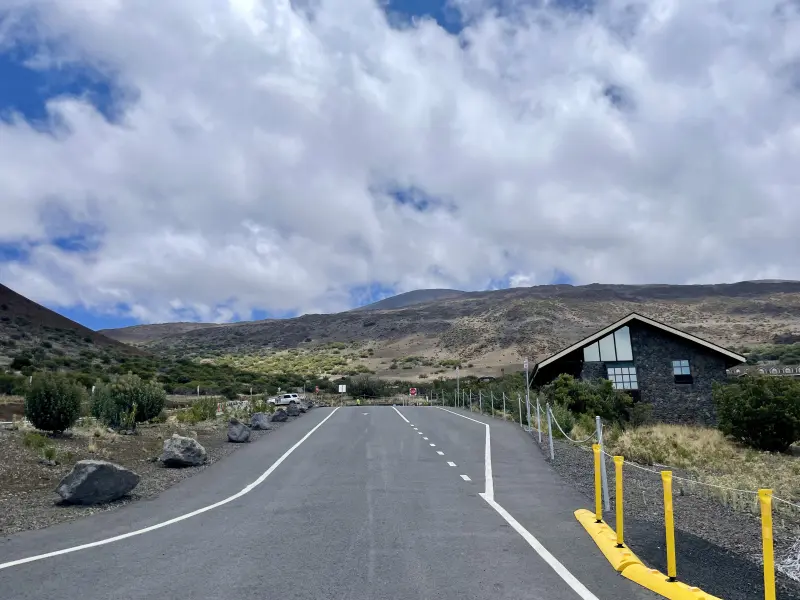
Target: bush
[(53, 402), (593, 398), (128, 400), (564, 417), (762, 412)]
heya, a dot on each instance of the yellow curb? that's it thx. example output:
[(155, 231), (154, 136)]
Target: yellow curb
[(657, 582), (606, 540)]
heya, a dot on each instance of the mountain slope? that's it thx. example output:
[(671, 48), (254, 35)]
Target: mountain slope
[(497, 329), (412, 298), (28, 326), (141, 334)]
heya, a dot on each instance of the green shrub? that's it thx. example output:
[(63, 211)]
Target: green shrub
[(53, 402), (641, 414), (565, 418), (34, 439), (128, 400), (594, 398), (762, 412)]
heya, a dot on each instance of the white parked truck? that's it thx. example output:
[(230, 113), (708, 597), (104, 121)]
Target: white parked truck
[(287, 399)]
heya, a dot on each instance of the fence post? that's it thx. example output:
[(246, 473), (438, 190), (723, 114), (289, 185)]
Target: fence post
[(538, 419), (519, 403), (669, 525), (550, 431), (598, 488), (618, 462), (491, 401), (504, 406), (606, 499), (765, 500), (480, 401)]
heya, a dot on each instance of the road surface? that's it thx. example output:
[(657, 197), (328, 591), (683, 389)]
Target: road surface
[(365, 503)]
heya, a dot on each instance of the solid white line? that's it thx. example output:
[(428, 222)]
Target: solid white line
[(452, 464), (551, 560), (440, 453), (246, 490), (401, 414), (487, 453), (466, 478)]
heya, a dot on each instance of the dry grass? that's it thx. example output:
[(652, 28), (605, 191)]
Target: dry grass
[(710, 458)]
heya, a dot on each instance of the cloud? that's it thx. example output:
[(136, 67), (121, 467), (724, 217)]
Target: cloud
[(255, 153)]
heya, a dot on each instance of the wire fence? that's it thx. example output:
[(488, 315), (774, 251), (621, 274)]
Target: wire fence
[(729, 541)]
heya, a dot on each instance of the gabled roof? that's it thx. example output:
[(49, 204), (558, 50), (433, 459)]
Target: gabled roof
[(637, 317)]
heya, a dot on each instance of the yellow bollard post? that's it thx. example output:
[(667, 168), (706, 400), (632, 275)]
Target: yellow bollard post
[(765, 500), (598, 485), (669, 524), (618, 461)]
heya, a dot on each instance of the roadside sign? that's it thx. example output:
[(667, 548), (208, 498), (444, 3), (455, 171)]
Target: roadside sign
[(525, 364), (317, 390), (412, 392), (342, 388)]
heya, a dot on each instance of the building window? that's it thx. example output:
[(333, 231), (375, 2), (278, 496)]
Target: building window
[(681, 371), (613, 347), (623, 376)]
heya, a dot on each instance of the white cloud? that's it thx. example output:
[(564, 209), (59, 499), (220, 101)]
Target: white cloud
[(245, 169)]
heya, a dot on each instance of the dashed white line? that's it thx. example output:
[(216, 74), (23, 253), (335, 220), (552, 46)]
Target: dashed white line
[(466, 478), (451, 463), (246, 490), (419, 432), (424, 438), (440, 453), (433, 445)]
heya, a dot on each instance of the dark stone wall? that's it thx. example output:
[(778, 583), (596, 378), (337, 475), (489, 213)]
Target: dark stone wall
[(653, 352)]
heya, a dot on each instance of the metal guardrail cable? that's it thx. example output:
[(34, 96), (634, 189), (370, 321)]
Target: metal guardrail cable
[(552, 416), (695, 481)]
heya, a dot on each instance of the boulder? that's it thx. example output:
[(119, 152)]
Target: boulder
[(279, 416), (260, 420), (293, 410), (180, 451), (238, 432), (96, 482)]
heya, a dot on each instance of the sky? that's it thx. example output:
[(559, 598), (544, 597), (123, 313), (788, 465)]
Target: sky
[(221, 160)]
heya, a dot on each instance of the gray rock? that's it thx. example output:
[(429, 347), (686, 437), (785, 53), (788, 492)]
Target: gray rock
[(180, 451), (260, 420), (293, 410), (279, 416), (96, 482), (303, 408), (238, 432)]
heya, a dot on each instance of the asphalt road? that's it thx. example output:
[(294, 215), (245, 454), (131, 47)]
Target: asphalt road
[(365, 507)]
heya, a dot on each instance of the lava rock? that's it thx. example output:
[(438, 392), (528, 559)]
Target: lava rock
[(279, 416), (238, 432), (293, 410), (260, 420), (96, 482), (180, 451)]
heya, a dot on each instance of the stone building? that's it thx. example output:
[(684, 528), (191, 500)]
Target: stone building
[(658, 364)]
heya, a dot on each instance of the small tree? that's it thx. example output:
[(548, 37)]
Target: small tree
[(53, 402), (128, 400), (763, 412)]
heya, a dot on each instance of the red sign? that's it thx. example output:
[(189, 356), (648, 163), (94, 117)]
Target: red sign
[(412, 392), (318, 389)]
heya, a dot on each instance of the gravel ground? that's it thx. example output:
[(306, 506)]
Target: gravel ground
[(718, 547), (27, 487)]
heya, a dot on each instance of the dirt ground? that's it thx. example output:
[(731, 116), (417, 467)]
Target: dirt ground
[(27, 484)]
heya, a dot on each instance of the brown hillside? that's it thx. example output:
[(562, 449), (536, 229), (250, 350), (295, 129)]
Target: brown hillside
[(497, 329), (140, 334), (26, 325)]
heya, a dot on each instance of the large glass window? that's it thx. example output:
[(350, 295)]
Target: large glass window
[(623, 376), (613, 347)]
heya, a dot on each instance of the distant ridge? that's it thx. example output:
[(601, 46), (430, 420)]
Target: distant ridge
[(411, 299)]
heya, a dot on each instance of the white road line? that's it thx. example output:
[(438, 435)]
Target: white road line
[(452, 464), (487, 451), (401, 414), (246, 490), (433, 445), (551, 560), (419, 432), (466, 478), (424, 438), (440, 453), (488, 495)]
